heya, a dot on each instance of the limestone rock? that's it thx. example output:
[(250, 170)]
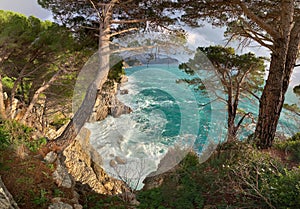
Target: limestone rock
[(119, 160), (78, 206), (107, 103), (60, 205), (124, 91), (83, 163), (50, 157), (6, 199), (62, 177)]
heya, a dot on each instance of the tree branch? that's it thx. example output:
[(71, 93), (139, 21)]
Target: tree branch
[(128, 21), (123, 31), (257, 20)]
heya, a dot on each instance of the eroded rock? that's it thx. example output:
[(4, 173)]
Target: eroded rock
[(6, 199), (60, 205), (50, 157), (61, 176), (83, 162)]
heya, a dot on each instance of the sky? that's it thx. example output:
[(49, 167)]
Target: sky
[(204, 36), (26, 7)]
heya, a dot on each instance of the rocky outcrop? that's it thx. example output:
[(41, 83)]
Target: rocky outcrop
[(6, 199), (83, 163), (107, 102)]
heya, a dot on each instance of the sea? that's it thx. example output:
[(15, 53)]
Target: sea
[(169, 119)]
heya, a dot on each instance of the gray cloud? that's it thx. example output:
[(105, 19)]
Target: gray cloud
[(26, 7)]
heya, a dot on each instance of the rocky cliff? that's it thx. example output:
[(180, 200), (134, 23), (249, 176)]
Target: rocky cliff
[(82, 160)]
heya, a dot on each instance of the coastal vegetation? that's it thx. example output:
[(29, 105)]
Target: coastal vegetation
[(39, 65)]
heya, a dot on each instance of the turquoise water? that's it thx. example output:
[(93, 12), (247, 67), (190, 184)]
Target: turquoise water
[(167, 114)]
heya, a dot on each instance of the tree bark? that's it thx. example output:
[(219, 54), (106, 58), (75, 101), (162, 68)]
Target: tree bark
[(37, 94), (282, 64), (86, 108), (2, 105)]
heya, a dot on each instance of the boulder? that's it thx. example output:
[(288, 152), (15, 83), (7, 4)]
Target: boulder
[(6, 199)]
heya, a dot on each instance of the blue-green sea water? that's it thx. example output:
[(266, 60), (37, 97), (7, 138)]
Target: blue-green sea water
[(167, 113)]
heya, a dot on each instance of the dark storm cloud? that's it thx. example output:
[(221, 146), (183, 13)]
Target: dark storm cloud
[(26, 7)]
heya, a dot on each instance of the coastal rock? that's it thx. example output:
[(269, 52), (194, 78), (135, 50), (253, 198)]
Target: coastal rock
[(50, 157), (119, 160), (60, 205), (117, 108), (107, 102), (6, 199), (83, 162), (61, 176), (124, 91)]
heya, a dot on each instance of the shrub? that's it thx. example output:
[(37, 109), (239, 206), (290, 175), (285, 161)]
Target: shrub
[(291, 146), (285, 189), (17, 134), (180, 189)]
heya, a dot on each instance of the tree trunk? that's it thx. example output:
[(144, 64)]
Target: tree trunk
[(86, 108), (37, 94), (2, 105), (272, 99), (231, 134)]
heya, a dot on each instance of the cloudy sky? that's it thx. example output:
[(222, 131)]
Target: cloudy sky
[(27, 7), (204, 36)]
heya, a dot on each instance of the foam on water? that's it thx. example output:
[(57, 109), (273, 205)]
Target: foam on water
[(165, 115)]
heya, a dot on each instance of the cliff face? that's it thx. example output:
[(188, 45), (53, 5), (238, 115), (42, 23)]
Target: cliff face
[(84, 164), (107, 102), (82, 160)]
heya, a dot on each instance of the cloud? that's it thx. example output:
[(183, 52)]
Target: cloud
[(26, 7), (205, 36)]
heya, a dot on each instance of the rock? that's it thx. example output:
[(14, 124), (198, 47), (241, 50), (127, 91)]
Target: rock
[(109, 186), (60, 205), (124, 91), (50, 157), (83, 162), (78, 206), (117, 108), (56, 200), (124, 79), (119, 160), (6, 199), (62, 177), (112, 163)]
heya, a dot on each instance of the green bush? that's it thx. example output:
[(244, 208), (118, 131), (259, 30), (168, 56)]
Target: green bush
[(4, 137), (15, 133), (285, 189), (291, 146), (116, 72), (181, 190)]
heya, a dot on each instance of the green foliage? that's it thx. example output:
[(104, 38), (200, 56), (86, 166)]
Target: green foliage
[(35, 145), (239, 75), (14, 133), (32, 52), (290, 146), (284, 190), (296, 90), (58, 193), (235, 176), (116, 72), (58, 120), (4, 137), (95, 201), (293, 108), (180, 190), (42, 198)]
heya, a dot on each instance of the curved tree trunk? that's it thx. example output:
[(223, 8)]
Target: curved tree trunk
[(86, 108)]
